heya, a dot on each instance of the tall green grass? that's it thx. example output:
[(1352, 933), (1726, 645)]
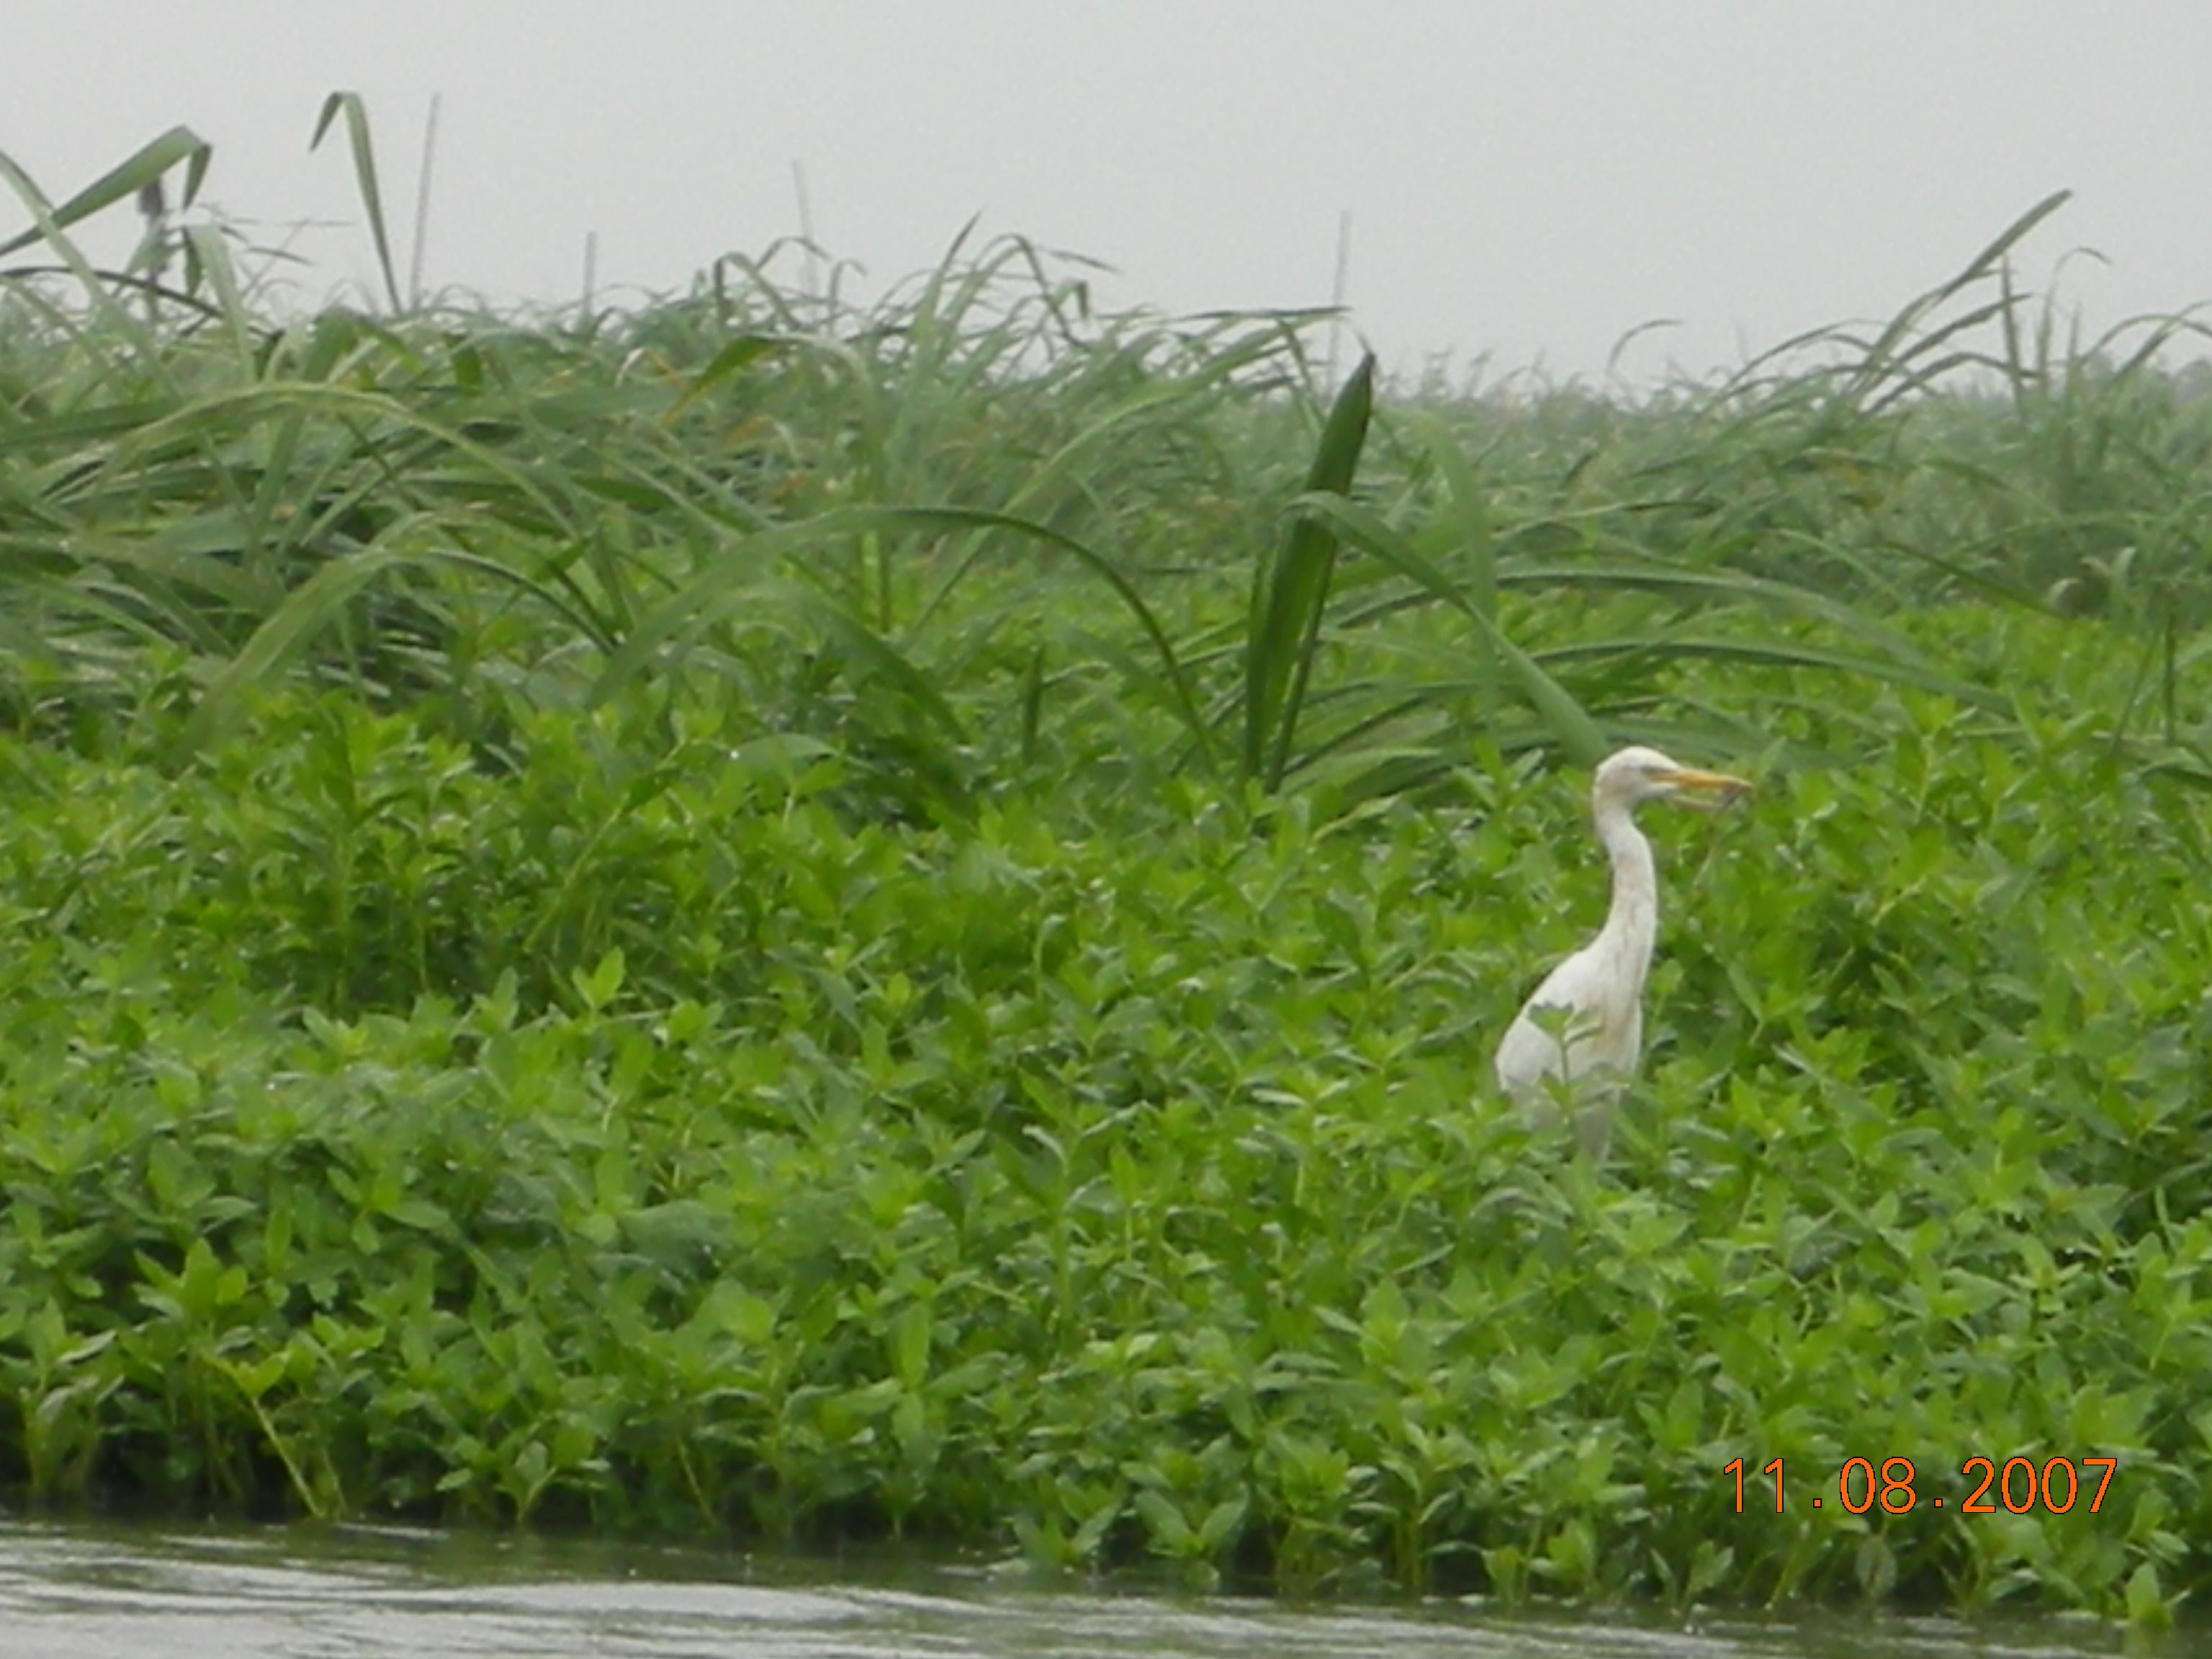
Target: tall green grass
[(864, 523)]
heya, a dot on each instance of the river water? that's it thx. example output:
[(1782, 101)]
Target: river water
[(76, 1591)]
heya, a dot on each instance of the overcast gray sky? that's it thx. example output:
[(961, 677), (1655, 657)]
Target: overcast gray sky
[(1526, 182)]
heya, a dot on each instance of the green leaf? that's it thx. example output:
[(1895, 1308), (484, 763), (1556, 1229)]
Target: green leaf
[(1289, 593), (349, 106), (144, 167)]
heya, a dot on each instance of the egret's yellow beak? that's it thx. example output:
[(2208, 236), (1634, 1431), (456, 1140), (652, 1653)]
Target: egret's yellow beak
[(1708, 790)]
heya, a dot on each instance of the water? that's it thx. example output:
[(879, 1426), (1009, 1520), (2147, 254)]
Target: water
[(103, 1592)]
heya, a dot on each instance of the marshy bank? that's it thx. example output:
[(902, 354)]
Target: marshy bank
[(807, 923)]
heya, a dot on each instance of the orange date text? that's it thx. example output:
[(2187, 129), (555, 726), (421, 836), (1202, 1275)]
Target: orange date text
[(2019, 1484)]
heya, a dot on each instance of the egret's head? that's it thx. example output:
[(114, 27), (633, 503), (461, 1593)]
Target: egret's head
[(1635, 775)]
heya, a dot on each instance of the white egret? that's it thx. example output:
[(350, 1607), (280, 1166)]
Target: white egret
[(1582, 1029)]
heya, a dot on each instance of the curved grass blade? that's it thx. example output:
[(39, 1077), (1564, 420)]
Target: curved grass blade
[(125, 180), (738, 355), (1680, 648), (1718, 585), (350, 106)]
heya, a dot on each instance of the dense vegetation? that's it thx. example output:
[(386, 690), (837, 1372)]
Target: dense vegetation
[(838, 921)]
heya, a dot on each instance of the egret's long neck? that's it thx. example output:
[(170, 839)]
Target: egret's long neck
[(1632, 923)]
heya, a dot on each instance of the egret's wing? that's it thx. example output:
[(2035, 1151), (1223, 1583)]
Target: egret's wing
[(1531, 1051), (1587, 1000)]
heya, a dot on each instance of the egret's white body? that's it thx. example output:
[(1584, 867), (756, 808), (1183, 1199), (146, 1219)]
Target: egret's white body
[(1580, 1031)]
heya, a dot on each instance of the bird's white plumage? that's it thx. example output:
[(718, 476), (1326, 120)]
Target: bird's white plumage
[(1579, 1036)]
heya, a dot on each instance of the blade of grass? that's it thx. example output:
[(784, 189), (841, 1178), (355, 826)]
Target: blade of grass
[(122, 182), (1292, 594), (349, 106)]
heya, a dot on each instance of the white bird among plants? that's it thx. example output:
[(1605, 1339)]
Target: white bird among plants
[(1580, 1033)]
